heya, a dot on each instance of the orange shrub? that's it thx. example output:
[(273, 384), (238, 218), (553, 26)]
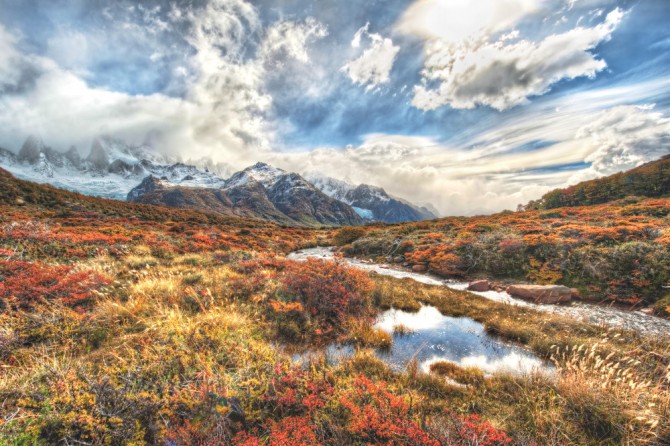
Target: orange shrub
[(330, 292), (24, 284)]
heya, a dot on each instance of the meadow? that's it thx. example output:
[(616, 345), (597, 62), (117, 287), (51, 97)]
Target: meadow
[(130, 324)]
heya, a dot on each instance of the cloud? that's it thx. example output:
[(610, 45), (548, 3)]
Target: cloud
[(288, 40), (622, 138), (517, 160), (14, 71), (455, 21), (465, 66), (223, 113), (373, 67)]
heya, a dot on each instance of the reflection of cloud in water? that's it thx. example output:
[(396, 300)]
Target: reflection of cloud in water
[(460, 340), (512, 363), (427, 318)]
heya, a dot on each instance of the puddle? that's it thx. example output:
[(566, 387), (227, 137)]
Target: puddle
[(434, 337)]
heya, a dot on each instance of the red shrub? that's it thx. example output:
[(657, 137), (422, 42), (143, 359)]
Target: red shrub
[(329, 291), (455, 430), (292, 391), (377, 416), (26, 283)]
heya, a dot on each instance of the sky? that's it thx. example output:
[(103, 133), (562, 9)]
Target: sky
[(473, 106)]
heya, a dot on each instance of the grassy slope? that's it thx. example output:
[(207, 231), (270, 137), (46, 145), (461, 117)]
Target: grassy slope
[(649, 180), (618, 251), (189, 317)]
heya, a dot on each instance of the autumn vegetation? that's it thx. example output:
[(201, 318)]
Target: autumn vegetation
[(616, 252), (649, 180), (132, 324)]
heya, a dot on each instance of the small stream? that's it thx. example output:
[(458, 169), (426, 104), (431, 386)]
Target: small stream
[(596, 314)]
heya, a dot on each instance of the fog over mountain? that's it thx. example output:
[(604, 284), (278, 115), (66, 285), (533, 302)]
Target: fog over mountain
[(474, 112)]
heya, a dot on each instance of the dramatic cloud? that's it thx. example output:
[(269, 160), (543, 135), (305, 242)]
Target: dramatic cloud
[(456, 21), (224, 110), (465, 67), (373, 67), (11, 63), (624, 137), (508, 165), (242, 81), (503, 75)]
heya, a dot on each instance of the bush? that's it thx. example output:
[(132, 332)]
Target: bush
[(348, 235), (25, 284), (662, 307), (329, 293)]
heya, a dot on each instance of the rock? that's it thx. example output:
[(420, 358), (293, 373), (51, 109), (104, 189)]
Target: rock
[(398, 259), (479, 285), (406, 265), (419, 268), (541, 294), (575, 293)]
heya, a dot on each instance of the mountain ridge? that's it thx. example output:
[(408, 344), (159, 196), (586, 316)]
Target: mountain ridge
[(114, 169)]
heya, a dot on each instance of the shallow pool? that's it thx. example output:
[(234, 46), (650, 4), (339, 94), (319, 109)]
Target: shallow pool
[(434, 337)]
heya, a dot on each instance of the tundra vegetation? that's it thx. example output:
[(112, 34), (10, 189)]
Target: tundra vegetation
[(132, 324)]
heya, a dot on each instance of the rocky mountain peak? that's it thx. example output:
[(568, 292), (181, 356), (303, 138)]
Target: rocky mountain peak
[(31, 150), (98, 156), (148, 185), (264, 173)]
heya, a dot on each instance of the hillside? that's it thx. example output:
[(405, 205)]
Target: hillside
[(128, 323), (648, 180), (616, 252)]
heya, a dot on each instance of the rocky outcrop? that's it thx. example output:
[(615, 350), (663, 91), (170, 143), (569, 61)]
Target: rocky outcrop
[(307, 205), (98, 156), (479, 285), (541, 294), (31, 150)]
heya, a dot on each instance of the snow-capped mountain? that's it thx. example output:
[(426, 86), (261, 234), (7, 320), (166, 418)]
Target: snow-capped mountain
[(260, 191), (114, 169), (111, 169), (372, 203)]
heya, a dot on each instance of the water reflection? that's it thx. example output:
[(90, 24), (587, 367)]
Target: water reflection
[(434, 337)]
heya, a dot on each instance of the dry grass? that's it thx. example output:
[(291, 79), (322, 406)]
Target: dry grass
[(612, 395), (402, 330), (463, 375), (365, 335)]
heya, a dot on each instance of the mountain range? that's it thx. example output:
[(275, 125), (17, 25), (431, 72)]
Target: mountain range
[(114, 169)]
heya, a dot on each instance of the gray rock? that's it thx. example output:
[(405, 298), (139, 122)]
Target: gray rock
[(541, 294), (479, 285)]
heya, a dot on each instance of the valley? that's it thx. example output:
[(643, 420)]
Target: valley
[(328, 223), (132, 323)]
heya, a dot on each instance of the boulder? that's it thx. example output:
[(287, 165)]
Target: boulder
[(541, 294), (419, 268), (398, 259), (479, 285), (575, 293)]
